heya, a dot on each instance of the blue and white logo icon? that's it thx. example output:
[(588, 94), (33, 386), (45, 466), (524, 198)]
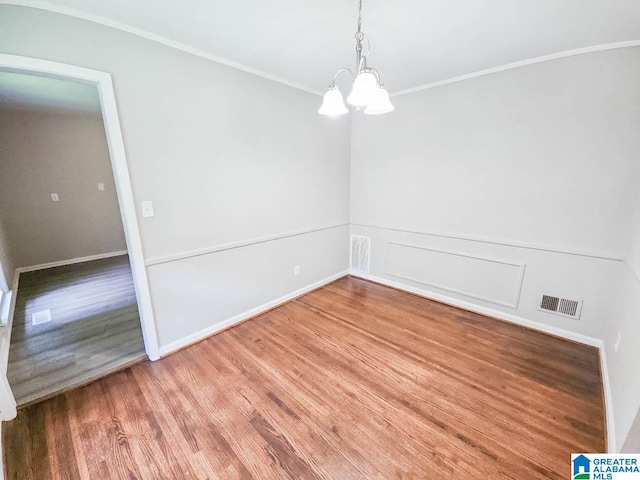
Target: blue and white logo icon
[(581, 468)]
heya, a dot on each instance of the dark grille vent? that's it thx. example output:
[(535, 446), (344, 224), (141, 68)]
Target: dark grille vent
[(549, 303), (560, 306), (568, 307)]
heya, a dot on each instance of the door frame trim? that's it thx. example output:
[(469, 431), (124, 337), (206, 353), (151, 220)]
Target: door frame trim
[(104, 84)]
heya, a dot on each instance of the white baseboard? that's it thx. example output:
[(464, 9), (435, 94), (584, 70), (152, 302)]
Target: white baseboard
[(70, 261), (207, 332), (559, 332)]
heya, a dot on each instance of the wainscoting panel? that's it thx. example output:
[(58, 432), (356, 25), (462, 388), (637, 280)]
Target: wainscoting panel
[(488, 279)]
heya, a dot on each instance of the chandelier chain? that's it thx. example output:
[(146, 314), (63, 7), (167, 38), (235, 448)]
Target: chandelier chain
[(359, 34)]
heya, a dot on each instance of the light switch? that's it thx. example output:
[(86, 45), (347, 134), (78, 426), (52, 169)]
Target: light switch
[(147, 209), (101, 187), (54, 197)]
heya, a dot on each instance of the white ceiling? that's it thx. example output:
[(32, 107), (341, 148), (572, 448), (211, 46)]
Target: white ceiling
[(32, 92), (413, 42)]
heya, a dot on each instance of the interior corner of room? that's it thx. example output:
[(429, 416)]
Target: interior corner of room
[(496, 208)]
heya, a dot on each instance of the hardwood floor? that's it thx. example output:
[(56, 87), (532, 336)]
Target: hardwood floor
[(94, 327), (352, 381)]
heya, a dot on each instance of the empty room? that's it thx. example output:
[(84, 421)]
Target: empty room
[(320, 240)]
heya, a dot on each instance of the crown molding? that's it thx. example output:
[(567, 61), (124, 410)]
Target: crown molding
[(72, 12), (523, 63)]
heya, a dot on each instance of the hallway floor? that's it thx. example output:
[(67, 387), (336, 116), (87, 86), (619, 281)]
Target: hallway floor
[(94, 327)]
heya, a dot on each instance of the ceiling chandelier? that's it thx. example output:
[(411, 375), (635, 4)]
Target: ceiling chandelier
[(367, 91)]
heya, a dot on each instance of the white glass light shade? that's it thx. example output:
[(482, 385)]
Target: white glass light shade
[(333, 103), (364, 90), (380, 103)]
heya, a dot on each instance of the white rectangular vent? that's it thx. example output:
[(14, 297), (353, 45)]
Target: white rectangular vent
[(560, 306), (360, 253), (43, 316)]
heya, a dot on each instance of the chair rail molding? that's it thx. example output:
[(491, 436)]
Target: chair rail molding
[(614, 256), (239, 244)]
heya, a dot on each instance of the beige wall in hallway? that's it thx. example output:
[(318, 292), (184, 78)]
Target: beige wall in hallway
[(43, 153)]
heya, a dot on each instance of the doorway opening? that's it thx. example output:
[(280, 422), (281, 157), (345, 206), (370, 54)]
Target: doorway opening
[(82, 306)]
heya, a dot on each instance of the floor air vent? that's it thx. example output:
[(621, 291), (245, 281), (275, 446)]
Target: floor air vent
[(41, 317), (360, 252), (560, 306)]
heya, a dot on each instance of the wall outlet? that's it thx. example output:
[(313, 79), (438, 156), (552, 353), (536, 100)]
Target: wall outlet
[(147, 209), (617, 344), (296, 270), (54, 197), (101, 187)]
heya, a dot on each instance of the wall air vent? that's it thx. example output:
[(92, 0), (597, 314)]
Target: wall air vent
[(560, 306), (360, 253)]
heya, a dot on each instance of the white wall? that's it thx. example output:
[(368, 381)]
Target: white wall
[(536, 165), (41, 153), (624, 365), (633, 246), (213, 286), (227, 158)]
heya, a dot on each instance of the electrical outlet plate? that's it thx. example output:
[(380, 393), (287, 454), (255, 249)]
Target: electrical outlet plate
[(147, 209), (296, 270), (54, 197)]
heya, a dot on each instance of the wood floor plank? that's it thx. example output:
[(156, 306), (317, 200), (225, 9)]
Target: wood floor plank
[(95, 425), (313, 414), (378, 421), (257, 388), (352, 381), (387, 405)]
